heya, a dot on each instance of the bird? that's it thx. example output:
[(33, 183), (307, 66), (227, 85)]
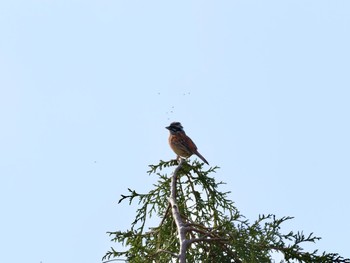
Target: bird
[(180, 143)]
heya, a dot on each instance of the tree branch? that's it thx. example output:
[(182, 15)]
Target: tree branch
[(181, 228), (205, 239), (165, 215), (169, 252)]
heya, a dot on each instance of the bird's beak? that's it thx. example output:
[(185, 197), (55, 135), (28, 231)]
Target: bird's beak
[(167, 127)]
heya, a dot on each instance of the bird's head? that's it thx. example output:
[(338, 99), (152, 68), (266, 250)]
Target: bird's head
[(175, 127)]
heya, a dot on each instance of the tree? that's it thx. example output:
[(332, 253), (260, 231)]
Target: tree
[(198, 223)]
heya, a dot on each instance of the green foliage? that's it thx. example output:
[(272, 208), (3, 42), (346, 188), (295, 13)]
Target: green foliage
[(217, 232)]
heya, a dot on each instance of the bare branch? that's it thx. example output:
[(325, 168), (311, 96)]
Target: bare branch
[(181, 228)]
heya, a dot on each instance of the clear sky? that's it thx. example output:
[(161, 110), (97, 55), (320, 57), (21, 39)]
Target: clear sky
[(87, 87)]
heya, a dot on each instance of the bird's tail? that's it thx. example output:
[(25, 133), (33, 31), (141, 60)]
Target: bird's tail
[(202, 158)]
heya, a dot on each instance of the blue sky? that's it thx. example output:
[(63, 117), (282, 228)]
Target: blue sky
[(87, 87)]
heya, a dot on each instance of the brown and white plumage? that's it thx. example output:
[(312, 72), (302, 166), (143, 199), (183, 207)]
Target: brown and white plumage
[(181, 144)]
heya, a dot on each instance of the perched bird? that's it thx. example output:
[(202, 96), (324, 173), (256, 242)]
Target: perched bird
[(181, 144)]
